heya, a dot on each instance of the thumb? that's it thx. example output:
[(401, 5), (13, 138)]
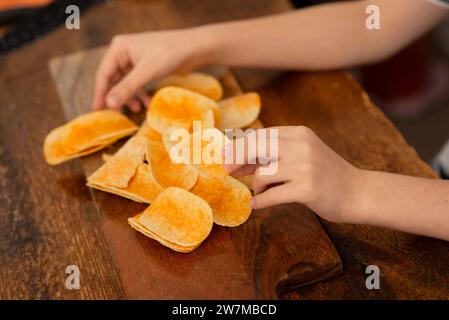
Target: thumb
[(128, 86)]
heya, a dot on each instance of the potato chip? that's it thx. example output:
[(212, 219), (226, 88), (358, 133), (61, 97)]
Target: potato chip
[(177, 107), (201, 149), (179, 217), (54, 152), (134, 223), (126, 174), (168, 173), (118, 171), (141, 188), (148, 132), (198, 82), (228, 198), (99, 127), (207, 120), (106, 156), (239, 111), (53, 146), (246, 180), (85, 135)]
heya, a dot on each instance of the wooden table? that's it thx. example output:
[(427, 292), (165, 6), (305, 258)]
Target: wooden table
[(40, 233)]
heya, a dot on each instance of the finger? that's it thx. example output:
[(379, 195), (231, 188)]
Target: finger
[(258, 147), (245, 170), (133, 105), (128, 86), (262, 181), (273, 196), (107, 70), (144, 97)]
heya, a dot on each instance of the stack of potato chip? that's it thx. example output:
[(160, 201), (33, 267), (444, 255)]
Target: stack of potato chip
[(186, 196), (86, 134)]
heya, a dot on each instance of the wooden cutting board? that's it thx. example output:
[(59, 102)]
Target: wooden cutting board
[(275, 251)]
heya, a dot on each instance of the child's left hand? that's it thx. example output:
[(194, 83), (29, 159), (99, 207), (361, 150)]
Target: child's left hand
[(308, 172)]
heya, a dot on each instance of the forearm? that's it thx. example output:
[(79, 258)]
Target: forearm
[(320, 37), (409, 204)]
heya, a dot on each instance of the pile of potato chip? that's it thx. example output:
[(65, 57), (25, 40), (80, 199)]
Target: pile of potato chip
[(186, 197)]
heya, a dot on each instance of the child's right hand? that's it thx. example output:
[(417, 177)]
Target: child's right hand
[(307, 172), (133, 60)]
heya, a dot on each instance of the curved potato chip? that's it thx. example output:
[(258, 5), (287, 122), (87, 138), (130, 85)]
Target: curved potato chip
[(198, 82), (143, 184), (53, 146), (178, 107), (121, 167), (246, 180), (90, 129), (168, 173), (179, 217), (207, 120), (239, 111), (54, 152), (148, 132), (201, 149), (141, 188), (135, 224), (85, 135), (228, 198), (106, 156)]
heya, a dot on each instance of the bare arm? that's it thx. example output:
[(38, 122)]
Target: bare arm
[(410, 204), (322, 37), (309, 172)]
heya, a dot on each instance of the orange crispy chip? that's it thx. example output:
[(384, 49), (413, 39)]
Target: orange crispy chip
[(118, 170), (134, 223), (148, 132), (126, 174), (246, 180), (201, 149), (141, 188), (85, 135), (228, 198), (177, 216), (54, 150), (177, 107), (143, 185), (104, 126), (53, 146), (106, 156), (198, 82), (168, 173), (239, 111)]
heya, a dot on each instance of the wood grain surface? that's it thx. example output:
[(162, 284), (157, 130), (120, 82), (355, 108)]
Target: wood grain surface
[(276, 250), (40, 234)]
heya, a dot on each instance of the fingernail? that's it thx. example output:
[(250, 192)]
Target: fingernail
[(113, 100), (252, 203)]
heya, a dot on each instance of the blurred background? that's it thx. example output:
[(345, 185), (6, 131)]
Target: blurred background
[(412, 88)]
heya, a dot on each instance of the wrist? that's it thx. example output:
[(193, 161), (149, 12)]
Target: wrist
[(357, 194), (203, 43)]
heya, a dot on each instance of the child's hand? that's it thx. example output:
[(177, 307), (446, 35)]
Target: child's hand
[(133, 60), (308, 172)]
